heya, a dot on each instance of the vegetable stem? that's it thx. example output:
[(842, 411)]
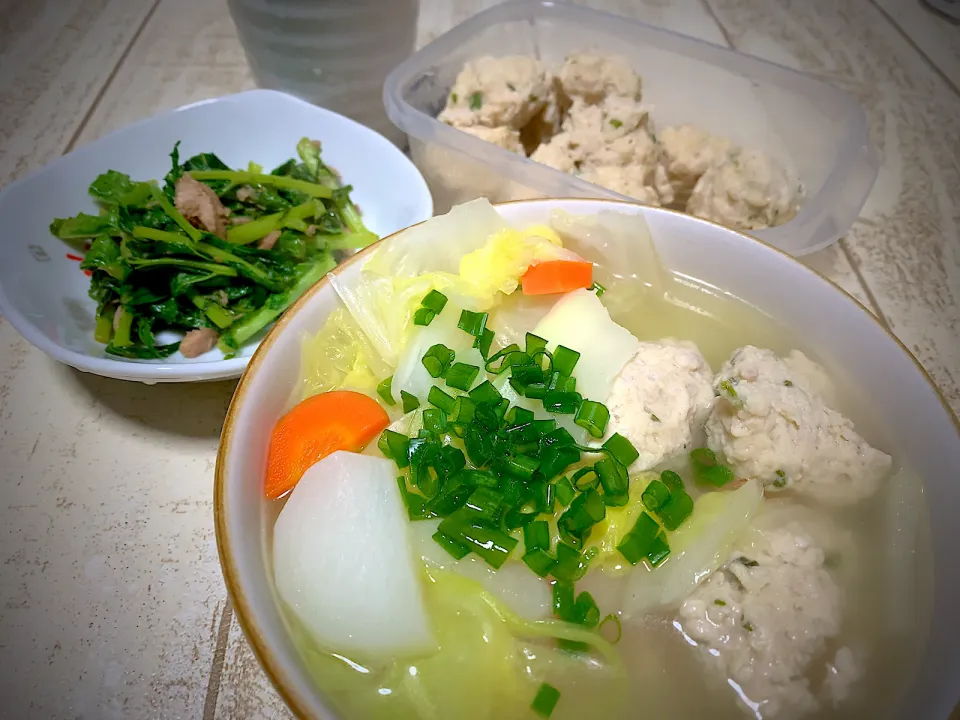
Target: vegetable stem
[(170, 210), (239, 177), (263, 226)]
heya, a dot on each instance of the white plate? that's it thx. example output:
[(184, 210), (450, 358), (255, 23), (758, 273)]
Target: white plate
[(43, 293)]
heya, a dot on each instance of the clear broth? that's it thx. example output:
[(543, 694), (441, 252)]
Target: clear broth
[(887, 599)]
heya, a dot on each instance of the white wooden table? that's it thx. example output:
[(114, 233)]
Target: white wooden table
[(111, 599)]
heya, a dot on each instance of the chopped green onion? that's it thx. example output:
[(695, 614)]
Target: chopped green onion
[(410, 402), (395, 446), (522, 466), (658, 551), (535, 391), (571, 565), (434, 301), (477, 478), (539, 561), (584, 512), (565, 360), (479, 446), (621, 449), (615, 481), (585, 479), (708, 470), (781, 480), (656, 495), (457, 549), (562, 403), (423, 316), (438, 398), (535, 344), (546, 700), (452, 460), (598, 289), (565, 492), (560, 436), (472, 323), (587, 611), (461, 375), (438, 359), (476, 100), (485, 394), (671, 480), (434, 420), (502, 355), (385, 391), (463, 412), (615, 619), (517, 415), (416, 504), (557, 458), (493, 545), (485, 503), (545, 497), (483, 341), (536, 536), (564, 605), (639, 541), (677, 509), (593, 417)]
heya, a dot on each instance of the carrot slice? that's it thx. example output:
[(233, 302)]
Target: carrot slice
[(556, 276), (317, 427)]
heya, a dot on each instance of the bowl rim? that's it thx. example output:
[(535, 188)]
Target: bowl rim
[(151, 372), (267, 658)]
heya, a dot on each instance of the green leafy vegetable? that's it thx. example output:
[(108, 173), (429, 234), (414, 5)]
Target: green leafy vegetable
[(153, 270)]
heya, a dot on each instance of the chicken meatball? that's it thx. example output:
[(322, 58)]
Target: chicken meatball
[(688, 151), (762, 619), (498, 92), (591, 77), (747, 191), (659, 400), (771, 424)]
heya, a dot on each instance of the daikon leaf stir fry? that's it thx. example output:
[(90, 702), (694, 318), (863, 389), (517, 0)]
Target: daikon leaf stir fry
[(212, 253)]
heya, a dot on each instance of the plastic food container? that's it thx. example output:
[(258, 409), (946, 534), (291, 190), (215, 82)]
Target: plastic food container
[(814, 129)]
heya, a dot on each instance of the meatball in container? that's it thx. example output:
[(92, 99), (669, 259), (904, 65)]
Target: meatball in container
[(539, 99)]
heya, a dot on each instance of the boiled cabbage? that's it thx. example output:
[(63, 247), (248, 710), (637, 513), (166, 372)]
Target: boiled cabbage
[(697, 548), (340, 357)]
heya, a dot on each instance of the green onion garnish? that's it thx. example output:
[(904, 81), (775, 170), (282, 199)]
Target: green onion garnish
[(539, 561), (434, 420), (563, 601), (708, 470), (564, 492), (394, 446), (565, 360), (593, 417), (410, 402), (463, 412), (385, 391), (675, 510), (656, 495), (457, 549), (639, 541), (621, 449), (472, 323), (483, 342), (671, 480), (584, 512), (461, 375), (615, 619), (536, 536), (587, 611), (416, 504), (489, 543), (438, 359), (485, 393), (535, 344), (598, 289), (615, 481), (423, 316), (438, 398), (562, 403), (658, 551), (434, 301)]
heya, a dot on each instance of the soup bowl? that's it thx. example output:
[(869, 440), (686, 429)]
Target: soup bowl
[(819, 314)]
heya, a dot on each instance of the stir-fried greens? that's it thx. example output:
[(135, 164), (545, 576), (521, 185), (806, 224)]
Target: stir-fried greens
[(215, 253)]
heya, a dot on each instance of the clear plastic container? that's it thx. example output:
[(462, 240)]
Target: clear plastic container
[(814, 129)]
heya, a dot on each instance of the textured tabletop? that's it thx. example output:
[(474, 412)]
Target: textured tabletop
[(112, 603)]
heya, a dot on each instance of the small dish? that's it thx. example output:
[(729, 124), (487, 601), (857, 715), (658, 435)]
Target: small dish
[(43, 292)]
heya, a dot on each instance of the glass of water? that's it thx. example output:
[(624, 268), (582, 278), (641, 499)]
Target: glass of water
[(334, 53)]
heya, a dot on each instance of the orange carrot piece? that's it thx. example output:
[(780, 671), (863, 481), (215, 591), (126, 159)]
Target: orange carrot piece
[(556, 276), (317, 427)]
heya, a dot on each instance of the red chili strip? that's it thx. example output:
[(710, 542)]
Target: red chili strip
[(71, 256)]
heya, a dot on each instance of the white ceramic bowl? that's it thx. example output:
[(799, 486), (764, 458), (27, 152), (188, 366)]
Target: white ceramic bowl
[(843, 333), (44, 294)]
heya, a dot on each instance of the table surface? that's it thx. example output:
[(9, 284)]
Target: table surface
[(112, 603)]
